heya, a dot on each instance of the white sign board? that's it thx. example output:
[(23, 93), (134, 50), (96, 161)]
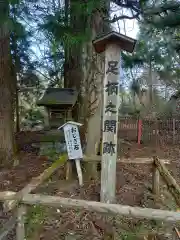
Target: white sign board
[(73, 143)]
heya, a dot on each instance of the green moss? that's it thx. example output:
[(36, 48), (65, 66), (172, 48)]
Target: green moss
[(34, 220), (61, 160), (135, 233), (36, 214)]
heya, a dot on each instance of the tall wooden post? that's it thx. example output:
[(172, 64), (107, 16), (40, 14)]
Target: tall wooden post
[(112, 44), (20, 229)]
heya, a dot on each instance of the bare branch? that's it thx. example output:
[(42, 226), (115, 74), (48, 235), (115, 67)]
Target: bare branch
[(117, 18)]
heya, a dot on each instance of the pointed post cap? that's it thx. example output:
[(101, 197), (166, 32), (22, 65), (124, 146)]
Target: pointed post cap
[(124, 42), (70, 123)]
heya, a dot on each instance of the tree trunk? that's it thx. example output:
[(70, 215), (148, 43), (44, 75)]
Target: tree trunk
[(85, 73), (6, 96), (66, 50), (15, 89), (73, 53), (94, 73), (17, 111)]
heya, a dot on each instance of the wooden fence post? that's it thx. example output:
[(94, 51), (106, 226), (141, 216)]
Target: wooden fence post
[(171, 183), (7, 227), (20, 228), (79, 171), (155, 181)]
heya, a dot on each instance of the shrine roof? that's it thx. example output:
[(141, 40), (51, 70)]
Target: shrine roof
[(124, 42), (58, 96)]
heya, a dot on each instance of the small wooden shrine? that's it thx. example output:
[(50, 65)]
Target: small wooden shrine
[(59, 104)]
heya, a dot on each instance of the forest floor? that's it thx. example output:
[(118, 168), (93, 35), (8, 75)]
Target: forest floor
[(134, 183)]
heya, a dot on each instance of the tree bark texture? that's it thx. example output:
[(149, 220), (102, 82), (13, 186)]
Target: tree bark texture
[(85, 73), (6, 96)]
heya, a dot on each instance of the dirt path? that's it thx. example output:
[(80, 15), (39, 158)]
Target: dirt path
[(16, 178), (133, 185)]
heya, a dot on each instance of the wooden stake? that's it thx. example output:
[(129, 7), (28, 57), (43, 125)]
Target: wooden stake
[(177, 232), (68, 170), (7, 227), (155, 181), (79, 171), (170, 181), (20, 229)]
